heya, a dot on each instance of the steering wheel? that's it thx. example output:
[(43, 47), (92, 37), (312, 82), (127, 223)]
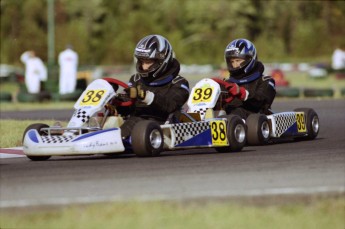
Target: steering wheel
[(225, 85), (117, 83)]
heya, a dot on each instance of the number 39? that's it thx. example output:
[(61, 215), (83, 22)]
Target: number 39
[(201, 93)]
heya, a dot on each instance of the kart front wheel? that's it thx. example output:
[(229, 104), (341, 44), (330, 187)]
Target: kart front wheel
[(236, 134), (147, 139), (38, 127), (258, 132), (312, 123)]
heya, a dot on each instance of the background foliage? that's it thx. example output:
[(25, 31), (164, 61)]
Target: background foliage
[(106, 31)]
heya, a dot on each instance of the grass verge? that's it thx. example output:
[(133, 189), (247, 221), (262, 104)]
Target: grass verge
[(35, 106), (11, 131), (319, 213)]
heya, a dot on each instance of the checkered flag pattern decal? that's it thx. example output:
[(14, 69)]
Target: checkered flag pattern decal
[(185, 131), (56, 139), (283, 122), (81, 114), (201, 111)]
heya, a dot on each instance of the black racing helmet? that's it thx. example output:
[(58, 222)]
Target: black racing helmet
[(157, 48), (244, 49)]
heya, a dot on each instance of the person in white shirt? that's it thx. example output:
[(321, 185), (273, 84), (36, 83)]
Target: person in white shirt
[(35, 71), (338, 59), (68, 61)]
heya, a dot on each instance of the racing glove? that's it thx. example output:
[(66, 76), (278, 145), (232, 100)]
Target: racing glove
[(143, 95), (238, 91)]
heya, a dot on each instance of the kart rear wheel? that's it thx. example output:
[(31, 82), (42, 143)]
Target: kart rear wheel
[(259, 131), (38, 127), (147, 139), (312, 123), (236, 134)]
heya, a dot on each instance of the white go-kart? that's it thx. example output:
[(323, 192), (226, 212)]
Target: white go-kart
[(95, 125)]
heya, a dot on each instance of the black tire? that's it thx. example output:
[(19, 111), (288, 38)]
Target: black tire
[(291, 92), (308, 92), (67, 97), (236, 134), (312, 122), (27, 97), (258, 129), (5, 96), (147, 139), (342, 92), (38, 127)]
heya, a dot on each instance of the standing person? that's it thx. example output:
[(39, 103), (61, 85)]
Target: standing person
[(35, 71), (158, 88), (68, 61), (251, 90), (338, 59)]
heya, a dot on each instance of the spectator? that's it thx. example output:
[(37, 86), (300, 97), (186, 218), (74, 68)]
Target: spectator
[(338, 59), (68, 61), (35, 71)]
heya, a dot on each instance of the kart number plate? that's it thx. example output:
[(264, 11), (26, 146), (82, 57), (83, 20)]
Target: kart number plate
[(92, 97), (301, 126), (218, 132), (203, 94)]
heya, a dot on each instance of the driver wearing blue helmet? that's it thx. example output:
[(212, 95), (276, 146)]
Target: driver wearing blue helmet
[(251, 91)]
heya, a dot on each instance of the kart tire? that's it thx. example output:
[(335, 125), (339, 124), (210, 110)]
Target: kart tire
[(290, 92), (67, 97), (26, 97), (308, 92), (342, 92), (5, 96), (312, 123), (258, 129), (147, 139), (38, 127), (236, 134)]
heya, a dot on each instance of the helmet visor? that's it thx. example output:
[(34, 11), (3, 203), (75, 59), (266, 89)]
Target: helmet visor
[(145, 65), (236, 63)]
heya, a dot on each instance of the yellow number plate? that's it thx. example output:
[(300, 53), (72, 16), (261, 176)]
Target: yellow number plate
[(301, 126), (92, 97), (203, 94), (218, 132)]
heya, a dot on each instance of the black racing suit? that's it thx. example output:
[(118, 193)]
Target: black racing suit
[(170, 90), (261, 93)]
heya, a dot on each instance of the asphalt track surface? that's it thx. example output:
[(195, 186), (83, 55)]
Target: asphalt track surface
[(284, 168)]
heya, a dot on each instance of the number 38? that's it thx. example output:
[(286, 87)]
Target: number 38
[(93, 96), (218, 131)]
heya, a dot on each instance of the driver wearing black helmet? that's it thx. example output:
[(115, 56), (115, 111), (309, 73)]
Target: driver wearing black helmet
[(157, 86)]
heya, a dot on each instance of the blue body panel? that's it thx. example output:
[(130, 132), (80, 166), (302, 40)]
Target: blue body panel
[(202, 139)]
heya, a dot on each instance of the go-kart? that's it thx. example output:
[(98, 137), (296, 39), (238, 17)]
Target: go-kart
[(94, 128), (263, 128), (300, 124)]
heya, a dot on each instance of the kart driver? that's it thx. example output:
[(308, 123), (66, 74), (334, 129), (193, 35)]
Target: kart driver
[(250, 91), (157, 86)]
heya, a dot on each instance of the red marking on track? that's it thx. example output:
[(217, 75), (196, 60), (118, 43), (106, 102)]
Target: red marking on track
[(12, 151)]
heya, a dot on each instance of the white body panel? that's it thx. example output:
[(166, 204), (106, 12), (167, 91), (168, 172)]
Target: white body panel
[(281, 122), (204, 95), (93, 99), (100, 142)]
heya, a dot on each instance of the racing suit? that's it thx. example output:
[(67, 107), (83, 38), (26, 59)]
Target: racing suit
[(170, 91), (261, 90)]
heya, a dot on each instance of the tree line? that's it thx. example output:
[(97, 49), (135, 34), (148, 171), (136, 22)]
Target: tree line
[(105, 32)]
